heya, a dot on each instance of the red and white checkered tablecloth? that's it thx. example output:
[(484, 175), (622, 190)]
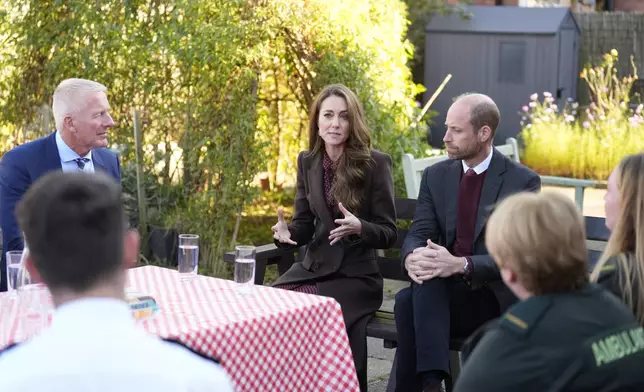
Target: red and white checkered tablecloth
[(267, 340)]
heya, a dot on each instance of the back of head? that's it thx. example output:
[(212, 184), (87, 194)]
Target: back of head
[(74, 225), (541, 238), (70, 97)]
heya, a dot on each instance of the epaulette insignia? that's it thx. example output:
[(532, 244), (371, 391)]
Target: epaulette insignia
[(200, 354), (522, 317), (516, 321), (608, 267)]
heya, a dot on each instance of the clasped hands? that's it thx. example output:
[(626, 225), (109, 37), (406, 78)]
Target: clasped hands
[(432, 261), (347, 226)]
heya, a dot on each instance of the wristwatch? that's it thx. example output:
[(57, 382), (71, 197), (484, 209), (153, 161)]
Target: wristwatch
[(466, 267)]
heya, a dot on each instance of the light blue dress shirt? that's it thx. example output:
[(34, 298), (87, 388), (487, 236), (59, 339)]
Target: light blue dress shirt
[(68, 156)]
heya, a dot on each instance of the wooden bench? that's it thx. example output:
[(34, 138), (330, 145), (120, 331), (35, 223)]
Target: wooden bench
[(382, 325), (413, 170)]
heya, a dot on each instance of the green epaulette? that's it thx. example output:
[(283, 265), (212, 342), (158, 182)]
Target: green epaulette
[(521, 318)]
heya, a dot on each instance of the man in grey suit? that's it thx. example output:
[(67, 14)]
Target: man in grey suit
[(456, 285)]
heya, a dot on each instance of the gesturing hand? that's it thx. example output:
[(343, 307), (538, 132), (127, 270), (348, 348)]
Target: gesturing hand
[(349, 225), (280, 230)]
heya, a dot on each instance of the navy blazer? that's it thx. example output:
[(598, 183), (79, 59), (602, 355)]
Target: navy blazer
[(435, 216), (21, 167)]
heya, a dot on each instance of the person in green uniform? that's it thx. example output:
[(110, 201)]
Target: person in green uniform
[(565, 334), (620, 270)]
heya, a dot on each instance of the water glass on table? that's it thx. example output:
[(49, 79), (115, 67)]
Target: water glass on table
[(245, 267), (188, 262), (14, 265)]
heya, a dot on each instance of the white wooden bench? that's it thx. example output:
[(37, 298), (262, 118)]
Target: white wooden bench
[(413, 168)]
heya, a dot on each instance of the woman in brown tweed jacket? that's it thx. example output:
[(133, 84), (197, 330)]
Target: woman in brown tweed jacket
[(344, 211)]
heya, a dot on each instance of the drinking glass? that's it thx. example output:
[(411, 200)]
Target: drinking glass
[(188, 256), (14, 266), (245, 266)]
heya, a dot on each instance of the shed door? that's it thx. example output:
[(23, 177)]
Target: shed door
[(567, 66)]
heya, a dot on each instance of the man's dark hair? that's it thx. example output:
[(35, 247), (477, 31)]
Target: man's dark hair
[(74, 227)]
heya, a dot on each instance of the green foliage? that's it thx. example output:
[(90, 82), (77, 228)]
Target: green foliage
[(197, 96), (420, 14), (590, 143), (311, 45), (223, 88)]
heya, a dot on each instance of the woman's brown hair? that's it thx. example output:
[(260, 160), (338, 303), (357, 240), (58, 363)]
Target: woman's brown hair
[(349, 184), (626, 242)]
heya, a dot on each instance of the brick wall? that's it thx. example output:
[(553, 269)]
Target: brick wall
[(628, 5)]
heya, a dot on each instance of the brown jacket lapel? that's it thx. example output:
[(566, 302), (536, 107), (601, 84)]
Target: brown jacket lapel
[(316, 185)]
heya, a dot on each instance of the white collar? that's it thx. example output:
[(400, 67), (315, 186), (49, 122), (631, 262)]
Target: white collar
[(96, 310), (481, 167), (66, 153)]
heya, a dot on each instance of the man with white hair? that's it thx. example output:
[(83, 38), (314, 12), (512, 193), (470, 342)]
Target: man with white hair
[(81, 113)]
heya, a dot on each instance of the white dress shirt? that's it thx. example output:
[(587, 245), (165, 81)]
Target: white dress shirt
[(481, 167), (68, 157), (94, 345)]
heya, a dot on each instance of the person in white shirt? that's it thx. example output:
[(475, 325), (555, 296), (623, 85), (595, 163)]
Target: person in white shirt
[(80, 247)]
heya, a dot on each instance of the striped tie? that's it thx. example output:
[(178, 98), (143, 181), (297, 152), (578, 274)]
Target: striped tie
[(81, 163)]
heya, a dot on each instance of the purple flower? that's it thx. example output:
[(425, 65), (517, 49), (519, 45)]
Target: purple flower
[(586, 124), (525, 108), (547, 94), (534, 97)]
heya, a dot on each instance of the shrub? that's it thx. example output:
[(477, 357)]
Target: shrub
[(223, 88)]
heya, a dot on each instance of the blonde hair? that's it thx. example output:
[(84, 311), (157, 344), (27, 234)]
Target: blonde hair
[(626, 242), (542, 238), (349, 184), (70, 98)]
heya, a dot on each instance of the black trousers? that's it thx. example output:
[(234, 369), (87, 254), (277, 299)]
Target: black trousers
[(426, 316)]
